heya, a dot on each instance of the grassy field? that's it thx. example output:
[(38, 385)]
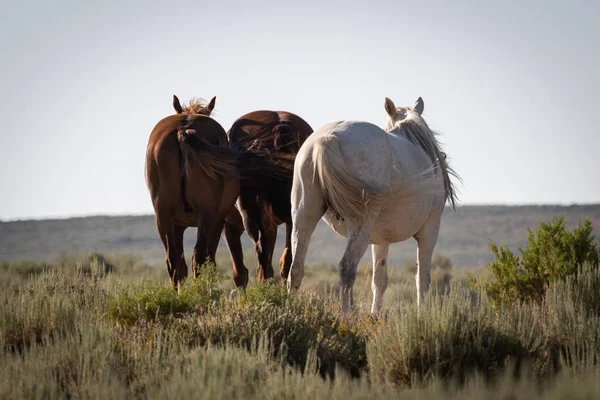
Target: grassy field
[(99, 325), (87, 330)]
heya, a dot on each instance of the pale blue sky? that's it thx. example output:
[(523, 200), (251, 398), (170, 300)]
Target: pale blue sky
[(513, 87)]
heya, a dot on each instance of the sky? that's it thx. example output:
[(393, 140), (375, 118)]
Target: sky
[(511, 86)]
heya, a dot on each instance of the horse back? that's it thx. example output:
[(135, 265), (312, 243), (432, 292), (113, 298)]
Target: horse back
[(266, 130)]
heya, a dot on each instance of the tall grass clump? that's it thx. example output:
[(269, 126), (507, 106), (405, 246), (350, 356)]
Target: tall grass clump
[(84, 364), (572, 319), (447, 337), (465, 332), (50, 305)]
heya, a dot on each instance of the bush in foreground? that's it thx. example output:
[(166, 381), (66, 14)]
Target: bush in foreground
[(552, 253), (156, 302)]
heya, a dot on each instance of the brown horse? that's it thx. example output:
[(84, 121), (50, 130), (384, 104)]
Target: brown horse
[(193, 174), (277, 135)]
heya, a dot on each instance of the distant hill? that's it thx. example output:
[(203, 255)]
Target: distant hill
[(464, 235)]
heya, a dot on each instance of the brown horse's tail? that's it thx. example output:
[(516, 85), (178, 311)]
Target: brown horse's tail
[(213, 161)]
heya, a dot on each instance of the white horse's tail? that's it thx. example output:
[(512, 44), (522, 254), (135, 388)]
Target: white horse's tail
[(348, 196)]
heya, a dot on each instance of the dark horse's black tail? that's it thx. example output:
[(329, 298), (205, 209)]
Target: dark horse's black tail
[(270, 172)]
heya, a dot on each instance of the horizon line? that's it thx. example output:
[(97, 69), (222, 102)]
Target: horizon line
[(144, 214)]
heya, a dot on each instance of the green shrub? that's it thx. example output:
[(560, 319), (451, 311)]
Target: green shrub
[(267, 292), (552, 253), (156, 302)]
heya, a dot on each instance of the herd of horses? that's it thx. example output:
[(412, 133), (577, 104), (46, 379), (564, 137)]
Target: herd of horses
[(372, 185)]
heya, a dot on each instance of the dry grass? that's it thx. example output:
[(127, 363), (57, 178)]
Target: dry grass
[(87, 331)]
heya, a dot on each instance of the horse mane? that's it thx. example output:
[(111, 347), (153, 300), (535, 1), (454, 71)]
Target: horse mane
[(195, 105), (418, 133)]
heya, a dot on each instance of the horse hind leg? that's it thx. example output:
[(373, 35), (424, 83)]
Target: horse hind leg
[(308, 206), (207, 224), (426, 240), (285, 262), (179, 230), (358, 241), (268, 237), (232, 232), (262, 233), (172, 238), (214, 240), (380, 275)]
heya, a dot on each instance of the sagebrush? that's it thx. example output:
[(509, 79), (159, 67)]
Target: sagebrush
[(79, 329)]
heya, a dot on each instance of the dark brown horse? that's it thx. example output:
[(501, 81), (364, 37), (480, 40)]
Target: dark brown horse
[(193, 174), (277, 135)]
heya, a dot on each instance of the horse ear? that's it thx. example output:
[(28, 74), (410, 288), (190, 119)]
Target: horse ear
[(390, 108), (211, 105), (419, 106), (177, 105)]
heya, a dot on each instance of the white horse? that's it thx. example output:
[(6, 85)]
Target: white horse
[(372, 186)]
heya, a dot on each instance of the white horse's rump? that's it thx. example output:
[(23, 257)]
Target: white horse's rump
[(347, 195), (372, 186)]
